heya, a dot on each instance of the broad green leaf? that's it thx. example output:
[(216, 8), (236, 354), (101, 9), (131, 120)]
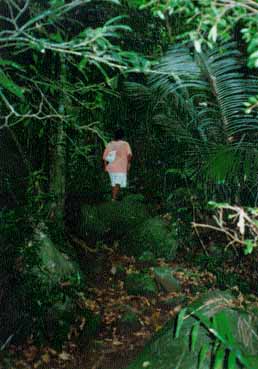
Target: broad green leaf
[(202, 355), (160, 14), (194, 335), (253, 99), (219, 358), (253, 45), (213, 34), (221, 162), (37, 46), (9, 85), (113, 82), (220, 324), (180, 320), (254, 55), (41, 132), (83, 63), (249, 246), (115, 19), (57, 37), (232, 361), (215, 204), (251, 361), (57, 3)]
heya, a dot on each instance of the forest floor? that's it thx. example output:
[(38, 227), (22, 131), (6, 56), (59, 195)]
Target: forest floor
[(115, 346)]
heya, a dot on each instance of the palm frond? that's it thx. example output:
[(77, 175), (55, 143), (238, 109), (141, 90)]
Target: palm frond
[(214, 81)]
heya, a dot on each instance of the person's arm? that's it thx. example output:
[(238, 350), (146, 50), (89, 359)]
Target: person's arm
[(129, 157), (103, 158), (104, 165)]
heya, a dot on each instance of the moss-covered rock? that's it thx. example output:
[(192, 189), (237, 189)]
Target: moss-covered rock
[(92, 226), (165, 279), (111, 220), (167, 352), (129, 321), (58, 320), (129, 222), (140, 284), (45, 267), (91, 327), (172, 302), (46, 271), (47, 264), (147, 259), (155, 236)]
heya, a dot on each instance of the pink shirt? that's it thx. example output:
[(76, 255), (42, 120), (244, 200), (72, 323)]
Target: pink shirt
[(123, 150)]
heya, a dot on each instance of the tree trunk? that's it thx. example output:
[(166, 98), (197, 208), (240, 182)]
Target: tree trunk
[(58, 160)]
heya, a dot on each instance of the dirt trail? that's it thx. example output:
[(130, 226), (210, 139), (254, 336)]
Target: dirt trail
[(114, 348)]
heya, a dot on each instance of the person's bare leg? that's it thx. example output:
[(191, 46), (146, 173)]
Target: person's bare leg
[(115, 191)]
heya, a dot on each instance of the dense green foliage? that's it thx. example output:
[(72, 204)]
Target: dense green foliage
[(204, 336), (180, 77)]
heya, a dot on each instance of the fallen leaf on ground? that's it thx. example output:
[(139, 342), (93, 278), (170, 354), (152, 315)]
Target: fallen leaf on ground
[(64, 356), (146, 364), (30, 353), (45, 358)]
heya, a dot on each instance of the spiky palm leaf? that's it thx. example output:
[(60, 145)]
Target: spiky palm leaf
[(199, 99), (212, 89), (214, 83)]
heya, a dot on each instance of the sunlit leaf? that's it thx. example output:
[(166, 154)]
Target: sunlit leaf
[(232, 361), (194, 335), (180, 320), (219, 358), (203, 355), (249, 246)]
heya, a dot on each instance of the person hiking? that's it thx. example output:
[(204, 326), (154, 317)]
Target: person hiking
[(117, 162)]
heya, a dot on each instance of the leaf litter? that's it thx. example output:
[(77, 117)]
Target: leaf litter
[(111, 300)]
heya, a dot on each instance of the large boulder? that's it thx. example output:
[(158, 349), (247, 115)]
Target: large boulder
[(57, 320), (164, 277), (141, 284), (129, 222), (128, 322), (92, 226), (155, 236), (165, 351), (112, 220), (147, 259), (50, 278), (50, 266)]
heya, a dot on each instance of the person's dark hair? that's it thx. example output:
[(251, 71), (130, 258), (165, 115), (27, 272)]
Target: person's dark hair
[(119, 134)]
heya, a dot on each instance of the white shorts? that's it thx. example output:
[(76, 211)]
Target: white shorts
[(118, 179)]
